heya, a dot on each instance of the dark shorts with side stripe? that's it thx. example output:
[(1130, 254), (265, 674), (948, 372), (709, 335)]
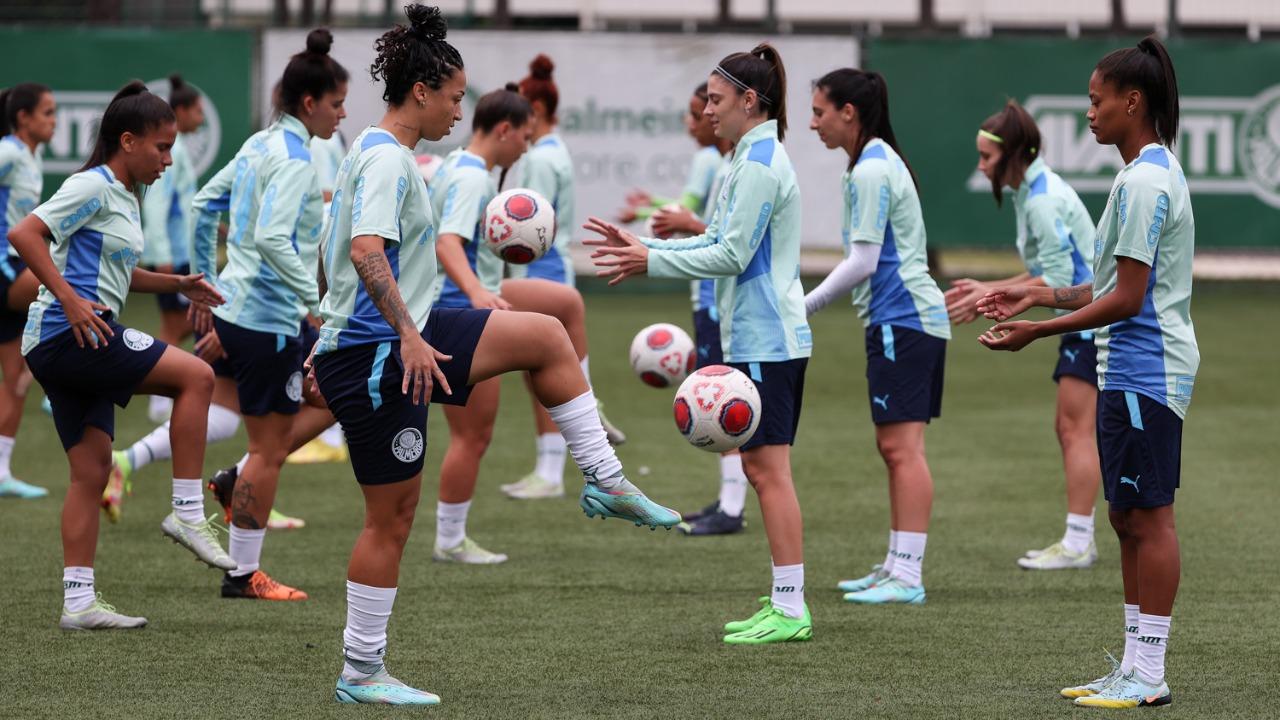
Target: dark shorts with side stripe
[(1077, 357), (82, 382), (267, 368), (12, 322), (781, 386), (173, 302), (1140, 447), (386, 432), (905, 369), (706, 338)]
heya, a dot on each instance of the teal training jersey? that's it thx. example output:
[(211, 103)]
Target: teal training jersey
[(1055, 233), (96, 228), (548, 170), (379, 193), (271, 191), (21, 182), (326, 158), (460, 191), (166, 211), (1148, 218), (703, 292), (702, 175), (881, 206), (752, 248)]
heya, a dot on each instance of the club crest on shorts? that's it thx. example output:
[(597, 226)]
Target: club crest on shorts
[(137, 340), (407, 445), (293, 386)]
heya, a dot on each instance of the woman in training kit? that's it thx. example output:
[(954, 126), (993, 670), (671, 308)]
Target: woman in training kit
[(901, 307), (271, 190), (28, 115), (1139, 304), (83, 245), (384, 352), (752, 249), (1055, 241)]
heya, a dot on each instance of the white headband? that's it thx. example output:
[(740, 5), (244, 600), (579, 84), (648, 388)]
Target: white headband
[(741, 85)]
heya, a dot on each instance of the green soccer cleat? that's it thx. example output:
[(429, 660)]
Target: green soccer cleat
[(381, 689), (277, 520), (890, 592), (12, 487), (737, 626), (99, 616), (877, 575), (534, 487), (1095, 687), (200, 539), (611, 431), (1058, 557), (775, 627), (625, 502), (1128, 691), (467, 552)]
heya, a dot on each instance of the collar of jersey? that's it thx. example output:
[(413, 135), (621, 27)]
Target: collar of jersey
[(295, 126), (767, 130), (1033, 171)]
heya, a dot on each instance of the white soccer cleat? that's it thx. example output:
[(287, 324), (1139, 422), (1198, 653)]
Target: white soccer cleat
[(99, 616), (1058, 557), (200, 540), (467, 552), (537, 488)]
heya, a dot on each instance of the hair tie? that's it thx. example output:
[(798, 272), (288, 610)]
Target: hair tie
[(993, 137), (740, 85)]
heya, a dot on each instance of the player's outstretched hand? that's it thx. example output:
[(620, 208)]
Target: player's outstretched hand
[(619, 253), (209, 347), (199, 291), (1011, 336), (1004, 303), (668, 222), (962, 300), (421, 370)]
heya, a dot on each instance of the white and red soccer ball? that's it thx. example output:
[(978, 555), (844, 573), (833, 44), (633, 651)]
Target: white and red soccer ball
[(519, 226), (662, 355), (717, 408)]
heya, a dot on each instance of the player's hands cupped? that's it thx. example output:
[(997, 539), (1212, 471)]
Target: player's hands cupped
[(199, 291), (421, 369), (87, 325), (1003, 303), (484, 300), (619, 253), (209, 347), (638, 197), (962, 300), (1011, 336), (668, 222)]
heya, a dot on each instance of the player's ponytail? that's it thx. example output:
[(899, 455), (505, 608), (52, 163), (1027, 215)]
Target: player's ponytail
[(23, 97), (868, 93), (1015, 131), (1148, 69), (311, 73), (133, 110), (538, 86), (181, 95), (416, 53), (760, 70)]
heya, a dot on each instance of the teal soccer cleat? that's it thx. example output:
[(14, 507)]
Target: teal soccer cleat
[(1128, 691), (890, 592), (877, 575), (380, 688), (625, 502)]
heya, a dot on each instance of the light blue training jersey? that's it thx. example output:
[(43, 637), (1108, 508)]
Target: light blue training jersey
[(882, 207), (752, 248), (271, 191), (547, 169), (460, 191), (1148, 218), (379, 193), (1055, 232), (21, 182), (326, 158), (96, 228), (703, 292), (166, 211)]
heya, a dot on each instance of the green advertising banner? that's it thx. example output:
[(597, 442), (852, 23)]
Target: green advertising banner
[(940, 91), (86, 66)]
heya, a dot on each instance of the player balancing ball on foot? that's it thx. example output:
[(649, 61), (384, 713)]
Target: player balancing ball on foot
[(717, 408), (662, 355)]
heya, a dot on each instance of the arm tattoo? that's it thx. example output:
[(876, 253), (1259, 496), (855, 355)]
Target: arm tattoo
[(1070, 294), (375, 272)]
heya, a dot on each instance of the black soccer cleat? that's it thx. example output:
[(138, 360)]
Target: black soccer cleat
[(716, 523)]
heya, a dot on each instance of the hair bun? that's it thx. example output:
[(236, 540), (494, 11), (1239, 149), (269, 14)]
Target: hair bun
[(541, 67), (426, 22), (512, 87), (319, 41), (176, 82)]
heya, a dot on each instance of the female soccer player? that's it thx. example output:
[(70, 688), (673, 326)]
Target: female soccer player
[(1139, 304), (901, 307), (92, 224), (1055, 240), (269, 281), (28, 115), (752, 248), (384, 352)]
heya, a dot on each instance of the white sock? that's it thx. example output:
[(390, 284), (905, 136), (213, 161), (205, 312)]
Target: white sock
[(246, 549), (788, 589), (1153, 640), (890, 558), (241, 463), (6, 452), (733, 485), (333, 436), (1079, 533), (77, 588), (1130, 638), (451, 523), (364, 640), (579, 423), (552, 451), (585, 364), (160, 405), (188, 501), (910, 557), (221, 425)]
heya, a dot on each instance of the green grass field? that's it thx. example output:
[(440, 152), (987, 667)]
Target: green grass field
[(602, 619)]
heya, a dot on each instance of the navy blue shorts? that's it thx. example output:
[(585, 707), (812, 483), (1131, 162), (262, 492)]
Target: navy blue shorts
[(12, 323), (904, 374), (82, 383), (1077, 357), (387, 433), (267, 368), (1140, 446), (706, 338), (172, 302), (781, 386)]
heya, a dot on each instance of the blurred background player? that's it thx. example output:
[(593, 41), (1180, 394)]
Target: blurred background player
[(901, 308), (1055, 242)]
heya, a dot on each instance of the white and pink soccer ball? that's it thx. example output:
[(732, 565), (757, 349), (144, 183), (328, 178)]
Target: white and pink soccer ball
[(662, 355), (717, 408), (519, 226)]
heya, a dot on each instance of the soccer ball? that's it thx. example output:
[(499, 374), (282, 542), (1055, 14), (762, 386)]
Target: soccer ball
[(649, 231), (717, 408), (519, 226), (662, 355)]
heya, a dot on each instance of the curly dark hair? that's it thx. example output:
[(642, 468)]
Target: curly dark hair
[(417, 53)]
